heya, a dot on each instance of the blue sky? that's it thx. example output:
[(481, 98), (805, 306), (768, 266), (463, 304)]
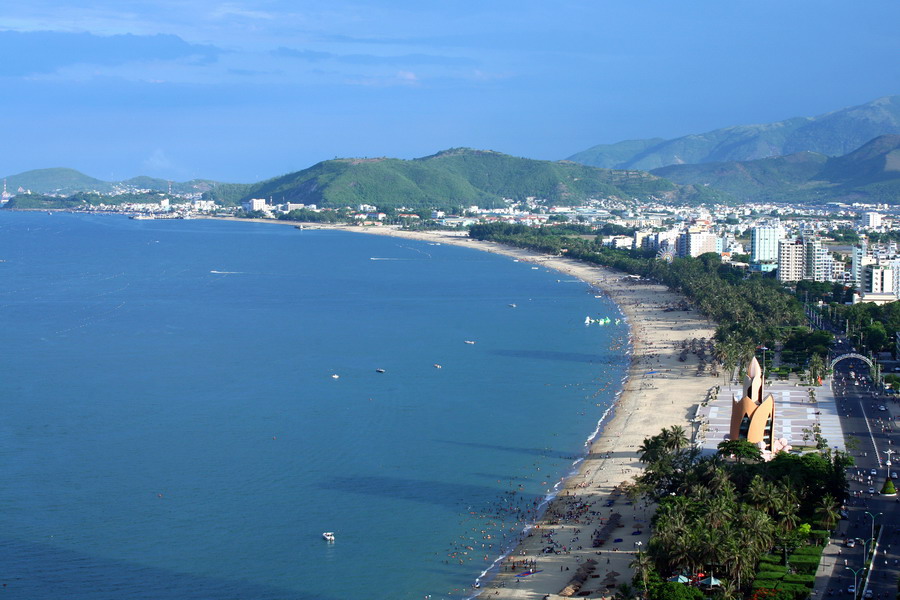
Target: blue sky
[(242, 91)]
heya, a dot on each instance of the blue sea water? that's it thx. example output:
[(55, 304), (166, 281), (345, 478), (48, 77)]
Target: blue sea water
[(171, 427)]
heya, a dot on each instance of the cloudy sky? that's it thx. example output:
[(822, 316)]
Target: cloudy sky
[(245, 90)]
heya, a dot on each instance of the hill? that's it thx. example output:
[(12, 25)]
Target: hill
[(66, 182), (832, 134), (58, 180), (870, 173), (457, 178)]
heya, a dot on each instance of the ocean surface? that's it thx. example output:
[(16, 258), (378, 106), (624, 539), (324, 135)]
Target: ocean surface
[(171, 426)]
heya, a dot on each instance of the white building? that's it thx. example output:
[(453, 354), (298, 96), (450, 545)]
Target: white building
[(695, 244), (871, 220), (791, 260)]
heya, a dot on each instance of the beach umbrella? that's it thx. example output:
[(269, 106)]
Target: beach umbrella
[(710, 581), (678, 579)]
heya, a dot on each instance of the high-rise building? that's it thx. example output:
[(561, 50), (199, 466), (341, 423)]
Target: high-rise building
[(791, 260), (695, 244), (871, 220)]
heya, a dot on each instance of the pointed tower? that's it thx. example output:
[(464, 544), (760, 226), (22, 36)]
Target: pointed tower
[(753, 417)]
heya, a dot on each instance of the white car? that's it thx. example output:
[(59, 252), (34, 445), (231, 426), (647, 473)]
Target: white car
[(881, 407), (871, 490), (873, 472), (851, 589)]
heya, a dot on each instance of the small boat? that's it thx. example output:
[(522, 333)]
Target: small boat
[(379, 370), (335, 376), (437, 366), (469, 342), (512, 305), (587, 320), (328, 536)]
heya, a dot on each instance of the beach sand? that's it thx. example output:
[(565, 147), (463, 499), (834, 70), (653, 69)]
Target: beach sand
[(660, 391)]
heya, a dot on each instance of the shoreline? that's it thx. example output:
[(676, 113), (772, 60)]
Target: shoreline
[(659, 390)]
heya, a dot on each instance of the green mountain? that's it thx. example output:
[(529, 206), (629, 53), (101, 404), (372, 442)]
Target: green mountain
[(457, 178), (60, 180), (833, 134), (870, 173), (69, 181)]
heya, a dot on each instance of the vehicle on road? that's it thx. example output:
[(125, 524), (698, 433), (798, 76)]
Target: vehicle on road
[(850, 543), (851, 589), (868, 594), (871, 490), (873, 472), (881, 407)]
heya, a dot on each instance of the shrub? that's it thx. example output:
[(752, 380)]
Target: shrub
[(804, 564), (809, 551), (799, 592), (889, 487), (769, 559), (807, 580), (765, 583)]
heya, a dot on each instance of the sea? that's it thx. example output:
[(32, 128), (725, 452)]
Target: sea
[(188, 405)]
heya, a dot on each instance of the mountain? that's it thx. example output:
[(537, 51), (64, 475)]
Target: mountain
[(456, 178), (870, 173), (833, 134), (62, 181), (48, 181)]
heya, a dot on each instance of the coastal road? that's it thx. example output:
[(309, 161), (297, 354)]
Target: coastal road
[(867, 418)]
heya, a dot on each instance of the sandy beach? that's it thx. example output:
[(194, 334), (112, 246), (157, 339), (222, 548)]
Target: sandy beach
[(661, 390)]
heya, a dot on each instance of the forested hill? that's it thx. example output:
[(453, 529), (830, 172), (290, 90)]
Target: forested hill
[(870, 173), (832, 134), (462, 177)]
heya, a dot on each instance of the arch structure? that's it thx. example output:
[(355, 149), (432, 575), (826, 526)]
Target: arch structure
[(865, 359)]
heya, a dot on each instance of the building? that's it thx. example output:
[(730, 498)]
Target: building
[(871, 220), (753, 416), (254, 204), (879, 283), (764, 247), (791, 260), (695, 244)]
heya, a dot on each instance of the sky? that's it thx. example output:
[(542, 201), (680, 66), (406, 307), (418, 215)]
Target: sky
[(241, 91)]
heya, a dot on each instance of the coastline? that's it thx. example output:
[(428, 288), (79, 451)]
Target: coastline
[(659, 390)]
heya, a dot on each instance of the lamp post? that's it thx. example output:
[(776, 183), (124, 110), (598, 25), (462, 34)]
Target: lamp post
[(887, 463), (856, 573), (873, 521), (865, 544)]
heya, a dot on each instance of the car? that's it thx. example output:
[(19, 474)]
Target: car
[(868, 594), (851, 589), (873, 472), (893, 474), (850, 543), (871, 490), (882, 408)]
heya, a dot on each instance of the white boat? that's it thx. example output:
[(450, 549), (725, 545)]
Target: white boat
[(437, 366), (328, 536), (335, 376), (469, 342), (587, 320)]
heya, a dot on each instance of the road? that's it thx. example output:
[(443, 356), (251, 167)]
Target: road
[(867, 417)]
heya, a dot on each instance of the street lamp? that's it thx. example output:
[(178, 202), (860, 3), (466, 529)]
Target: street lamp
[(856, 573), (873, 522)]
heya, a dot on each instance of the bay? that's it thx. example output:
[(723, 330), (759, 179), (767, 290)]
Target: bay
[(172, 427)]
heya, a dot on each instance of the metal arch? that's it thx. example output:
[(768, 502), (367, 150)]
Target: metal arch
[(865, 359)]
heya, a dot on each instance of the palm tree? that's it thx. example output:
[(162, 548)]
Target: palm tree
[(827, 511), (642, 565)]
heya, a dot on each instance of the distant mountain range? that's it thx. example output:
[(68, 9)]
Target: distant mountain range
[(70, 181), (832, 134), (870, 173), (461, 177)]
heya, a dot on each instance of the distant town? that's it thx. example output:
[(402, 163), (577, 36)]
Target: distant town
[(849, 244)]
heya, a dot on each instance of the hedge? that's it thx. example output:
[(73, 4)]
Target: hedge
[(804, 564), (771, 574), (808, 551), (765, 583), (770, 559), (807, 580), (800, 592)]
